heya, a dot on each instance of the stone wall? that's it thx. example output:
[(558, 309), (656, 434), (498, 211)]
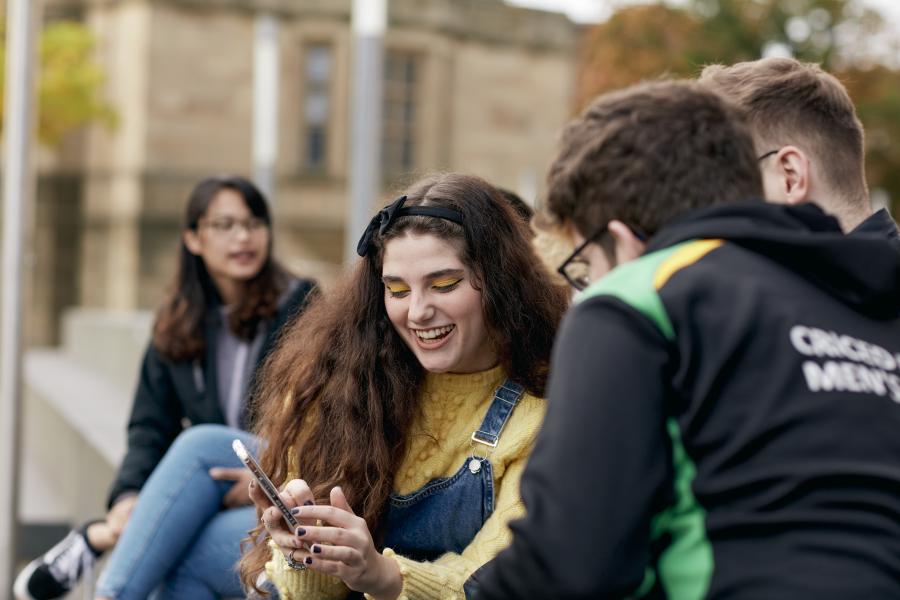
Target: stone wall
[(494, 91)]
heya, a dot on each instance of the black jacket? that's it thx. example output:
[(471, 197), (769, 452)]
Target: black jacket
[(172, 396), (723, 422), (880, 223)]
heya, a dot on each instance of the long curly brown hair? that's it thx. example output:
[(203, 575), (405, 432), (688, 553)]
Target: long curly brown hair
[(354, 385), (178, 333)]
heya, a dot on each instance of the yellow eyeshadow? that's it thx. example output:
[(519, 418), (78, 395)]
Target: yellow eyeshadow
[(446, 282), (396, 288)]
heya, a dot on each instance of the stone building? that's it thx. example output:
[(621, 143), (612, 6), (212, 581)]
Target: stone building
[(470, 85)]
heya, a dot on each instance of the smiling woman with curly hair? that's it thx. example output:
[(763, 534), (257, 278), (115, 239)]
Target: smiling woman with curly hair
[(407, 400)]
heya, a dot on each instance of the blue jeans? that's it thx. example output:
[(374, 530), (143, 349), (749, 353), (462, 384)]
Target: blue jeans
[(179, 541)]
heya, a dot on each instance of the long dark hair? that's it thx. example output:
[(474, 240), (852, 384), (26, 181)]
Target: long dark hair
[(354, 385), (178, 331)]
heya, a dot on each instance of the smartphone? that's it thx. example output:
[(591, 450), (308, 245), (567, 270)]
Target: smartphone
[(265, 483)]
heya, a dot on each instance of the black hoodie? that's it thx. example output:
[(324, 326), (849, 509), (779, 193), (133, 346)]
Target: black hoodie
[(723, 421)]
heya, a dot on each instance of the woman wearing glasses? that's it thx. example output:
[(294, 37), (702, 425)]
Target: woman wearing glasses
[(223, 312), (407, 400)]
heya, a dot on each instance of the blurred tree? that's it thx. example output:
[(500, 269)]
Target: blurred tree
[(653, 40), (68, 89), (637, 43), (876, 93)]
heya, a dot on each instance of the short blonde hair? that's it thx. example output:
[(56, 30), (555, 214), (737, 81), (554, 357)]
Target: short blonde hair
[(787, 102)]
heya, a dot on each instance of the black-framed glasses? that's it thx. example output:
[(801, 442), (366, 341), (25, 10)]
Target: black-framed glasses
[(575, 270), (228, 226), (768, 154)]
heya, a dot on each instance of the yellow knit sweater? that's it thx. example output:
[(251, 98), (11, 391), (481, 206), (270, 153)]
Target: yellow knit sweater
[(453, 407)]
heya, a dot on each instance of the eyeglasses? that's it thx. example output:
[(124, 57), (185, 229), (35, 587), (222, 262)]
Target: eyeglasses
[(576, 270), (228, 226), (768, 154)]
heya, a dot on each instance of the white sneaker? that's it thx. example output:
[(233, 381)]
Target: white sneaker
[(58, 571)]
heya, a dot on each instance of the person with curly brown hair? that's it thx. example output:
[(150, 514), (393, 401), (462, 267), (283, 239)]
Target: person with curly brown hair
[(399, 411)]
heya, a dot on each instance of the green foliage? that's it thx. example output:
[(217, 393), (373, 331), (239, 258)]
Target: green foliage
[(69, 84), (653, 40)]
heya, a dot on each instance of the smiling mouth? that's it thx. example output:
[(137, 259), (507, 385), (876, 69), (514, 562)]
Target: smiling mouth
[(433, 335), (243, 256)]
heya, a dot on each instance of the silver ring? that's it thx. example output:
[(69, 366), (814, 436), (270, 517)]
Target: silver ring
[(297, 566)]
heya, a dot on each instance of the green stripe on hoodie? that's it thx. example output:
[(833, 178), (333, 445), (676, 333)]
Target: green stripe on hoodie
[(685, 567)]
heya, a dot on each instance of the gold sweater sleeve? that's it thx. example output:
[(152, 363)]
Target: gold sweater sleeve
[(301, 585)]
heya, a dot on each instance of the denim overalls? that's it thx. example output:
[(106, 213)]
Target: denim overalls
[(445, 514)]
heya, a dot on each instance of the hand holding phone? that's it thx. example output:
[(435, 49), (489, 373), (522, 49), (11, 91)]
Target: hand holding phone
[(265, 484)]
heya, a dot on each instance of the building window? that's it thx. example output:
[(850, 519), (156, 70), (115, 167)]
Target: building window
[(401, 77), (318, 69)]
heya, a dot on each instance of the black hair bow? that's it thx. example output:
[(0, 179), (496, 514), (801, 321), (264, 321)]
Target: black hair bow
[(385, 217)]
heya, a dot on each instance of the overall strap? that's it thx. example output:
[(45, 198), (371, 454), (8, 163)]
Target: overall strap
[(505, 399)]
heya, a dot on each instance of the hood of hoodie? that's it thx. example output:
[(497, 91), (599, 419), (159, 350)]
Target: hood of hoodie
[(862, 270)]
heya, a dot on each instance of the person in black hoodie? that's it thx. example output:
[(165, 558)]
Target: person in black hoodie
[(808, 138), (228, 301), (723, 406)]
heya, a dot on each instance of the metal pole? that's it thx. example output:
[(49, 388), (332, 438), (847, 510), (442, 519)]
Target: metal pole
[(369, 24), (21, 38), (265, 103)]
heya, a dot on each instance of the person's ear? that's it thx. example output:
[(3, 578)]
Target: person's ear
[(796, 173), (628, 246), (192, 241)]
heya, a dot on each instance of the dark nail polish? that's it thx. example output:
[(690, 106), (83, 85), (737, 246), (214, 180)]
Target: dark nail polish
[(309, 560), (317, 549), (295, 510), (301, 531), (308, 503)]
